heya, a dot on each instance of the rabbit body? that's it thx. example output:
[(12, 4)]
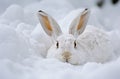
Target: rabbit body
[(82, 44), (92, 46)]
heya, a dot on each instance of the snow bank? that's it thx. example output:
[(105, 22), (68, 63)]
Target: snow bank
[(23, 43), (14, 12), (12, 45), (36, 68)]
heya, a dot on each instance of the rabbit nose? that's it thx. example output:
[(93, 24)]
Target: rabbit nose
[(66, 55)]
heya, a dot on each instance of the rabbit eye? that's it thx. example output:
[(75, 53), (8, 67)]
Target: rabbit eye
[(100, 3), (114, 1), (57, 44), (75, 44)]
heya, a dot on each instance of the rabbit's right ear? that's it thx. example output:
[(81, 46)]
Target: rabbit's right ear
[(49, 25), (78, 25)]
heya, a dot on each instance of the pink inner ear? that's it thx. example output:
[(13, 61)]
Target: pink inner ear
[(47, 23), (81, 21)]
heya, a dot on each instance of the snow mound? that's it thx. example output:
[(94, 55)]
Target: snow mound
[(14, 12), (12, 45)]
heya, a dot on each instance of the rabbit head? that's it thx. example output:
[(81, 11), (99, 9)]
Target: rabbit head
[(64, 46)]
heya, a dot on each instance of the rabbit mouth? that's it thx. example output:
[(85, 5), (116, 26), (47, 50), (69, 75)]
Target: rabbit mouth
[(70, 62), (67, 60)]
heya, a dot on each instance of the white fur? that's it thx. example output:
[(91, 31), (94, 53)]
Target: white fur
[(93, 45)]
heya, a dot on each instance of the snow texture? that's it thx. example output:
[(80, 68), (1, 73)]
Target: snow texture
[(24, 44)]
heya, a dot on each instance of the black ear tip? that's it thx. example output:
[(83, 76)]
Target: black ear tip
[(40, 11), (86, 9)]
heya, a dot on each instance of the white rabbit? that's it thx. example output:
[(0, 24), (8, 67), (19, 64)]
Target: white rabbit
[(77, 47)]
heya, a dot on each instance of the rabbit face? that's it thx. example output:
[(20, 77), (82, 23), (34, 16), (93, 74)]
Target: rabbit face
[(64, 47)]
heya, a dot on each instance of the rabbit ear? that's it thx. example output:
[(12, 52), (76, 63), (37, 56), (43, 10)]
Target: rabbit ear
[(49, 25), (79, 23)]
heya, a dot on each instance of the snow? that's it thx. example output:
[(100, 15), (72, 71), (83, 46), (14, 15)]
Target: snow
[(23, 43)]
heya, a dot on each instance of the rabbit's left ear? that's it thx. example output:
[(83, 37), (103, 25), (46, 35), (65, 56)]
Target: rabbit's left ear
[(78, 25), (49, 25)]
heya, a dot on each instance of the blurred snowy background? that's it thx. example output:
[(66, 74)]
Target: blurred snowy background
[(23, 44)]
